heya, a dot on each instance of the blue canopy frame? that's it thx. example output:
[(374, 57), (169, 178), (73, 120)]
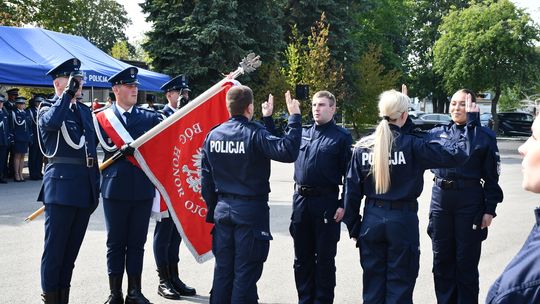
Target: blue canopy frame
[(26, 54)]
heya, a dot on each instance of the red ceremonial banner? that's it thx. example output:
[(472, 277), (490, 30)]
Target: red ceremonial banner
[(172, 161)]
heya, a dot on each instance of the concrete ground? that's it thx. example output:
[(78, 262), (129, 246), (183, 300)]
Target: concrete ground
[(22, 245)]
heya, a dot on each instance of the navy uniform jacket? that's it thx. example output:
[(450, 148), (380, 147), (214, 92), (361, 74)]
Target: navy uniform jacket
[(68, 184), (322, 160), (484, 162), (167, 111), (122, 180), (410, 157), (236, 158), (6, 137), (21, 126), (32, 113)]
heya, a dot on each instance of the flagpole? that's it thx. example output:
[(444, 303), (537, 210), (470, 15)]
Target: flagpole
[(248, 65)]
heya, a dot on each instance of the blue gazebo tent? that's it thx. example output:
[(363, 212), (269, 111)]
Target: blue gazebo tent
[(26, 54)]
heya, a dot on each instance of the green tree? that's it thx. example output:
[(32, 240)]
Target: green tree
[(102, 22), (374, 79), (510, 100), (14, 12), (120, 50), (489, 45), (341, 16), (426, 17), (384, 23), (207, 38), (311, 63)]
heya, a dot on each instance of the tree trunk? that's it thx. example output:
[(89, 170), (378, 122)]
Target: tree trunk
[(494, 102)]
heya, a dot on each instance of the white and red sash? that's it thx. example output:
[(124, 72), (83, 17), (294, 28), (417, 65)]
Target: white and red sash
[(116, 131)]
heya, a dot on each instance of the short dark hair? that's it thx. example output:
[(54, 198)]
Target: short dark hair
[(467, 91), (238, 99)]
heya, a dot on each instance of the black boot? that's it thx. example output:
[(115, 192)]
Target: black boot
[(64, 296), (135, 295), (165, 288), (178, 285), (116, 296), (50, 297)]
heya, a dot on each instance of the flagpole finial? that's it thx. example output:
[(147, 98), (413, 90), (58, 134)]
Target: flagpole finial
[(250, 63)]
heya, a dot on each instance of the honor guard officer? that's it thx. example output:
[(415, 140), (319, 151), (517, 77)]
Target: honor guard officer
[(12, 95), (520, 280), (166, 236), (388, 234), (6, 137), (463, 204), (9, 106), (70, 189), (22, 135), (235, 172), (127, 192), (35, 157), (177, 93), (320, 168)]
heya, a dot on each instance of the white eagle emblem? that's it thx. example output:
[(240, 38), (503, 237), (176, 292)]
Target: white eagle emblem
[(194, 176)]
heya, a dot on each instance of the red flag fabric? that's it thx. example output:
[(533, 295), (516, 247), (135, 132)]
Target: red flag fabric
[(172, 161)]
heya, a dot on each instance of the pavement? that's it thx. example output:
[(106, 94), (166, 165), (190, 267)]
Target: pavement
[(22, 245)]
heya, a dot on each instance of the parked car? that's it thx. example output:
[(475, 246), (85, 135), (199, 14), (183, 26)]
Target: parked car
[(157, 106), (485, 120), (413, 113), (428, 121), (514, 123)]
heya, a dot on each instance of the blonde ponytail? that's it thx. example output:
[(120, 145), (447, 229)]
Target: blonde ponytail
[(392, 104)]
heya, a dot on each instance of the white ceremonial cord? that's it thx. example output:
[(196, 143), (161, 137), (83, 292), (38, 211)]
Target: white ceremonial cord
[(68, 139), (104, 145), (39, 137), (23, 122)]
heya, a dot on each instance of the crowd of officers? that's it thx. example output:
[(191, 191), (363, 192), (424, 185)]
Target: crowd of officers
[(332, 177)]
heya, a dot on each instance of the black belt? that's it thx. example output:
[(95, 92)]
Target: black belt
[(396, 205), (309, 191), (262, 198), (89, 162), (455, 183)]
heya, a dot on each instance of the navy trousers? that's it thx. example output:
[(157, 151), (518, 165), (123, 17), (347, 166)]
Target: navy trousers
[(3, 160), (240, 243), (520, 280), (166, 243), (127, 227), (35, 161), (456, 246), (315, 235), (389, 253), (65, 227)]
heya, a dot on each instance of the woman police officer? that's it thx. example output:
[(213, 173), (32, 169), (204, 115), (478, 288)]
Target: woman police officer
[(387, 168)]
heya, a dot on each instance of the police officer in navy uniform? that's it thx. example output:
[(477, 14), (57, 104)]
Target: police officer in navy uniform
[(35, 157), (321, 165), (166, 236), (6, 137), (10, 102), (9, 106), (127, 193), (388, 233), (70, 189), (22, 136), (520, 280), (235, 172), (463, 204)]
